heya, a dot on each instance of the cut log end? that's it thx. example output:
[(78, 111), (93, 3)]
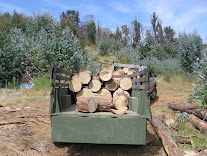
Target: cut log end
[(85, 77), (75, 84), (105, 75), (111, 85), (95, 85), (85, 92), (126, 83)]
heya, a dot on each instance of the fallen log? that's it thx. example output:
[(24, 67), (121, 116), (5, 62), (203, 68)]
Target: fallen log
[(198, 123), (184, 141), (170, 147), (200, 113)]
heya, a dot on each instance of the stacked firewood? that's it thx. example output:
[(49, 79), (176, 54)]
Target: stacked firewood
[(108, 91)]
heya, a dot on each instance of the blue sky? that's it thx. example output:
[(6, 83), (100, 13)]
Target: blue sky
[(181, 15)]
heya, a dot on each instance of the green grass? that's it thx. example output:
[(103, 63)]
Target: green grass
[(186, 129)]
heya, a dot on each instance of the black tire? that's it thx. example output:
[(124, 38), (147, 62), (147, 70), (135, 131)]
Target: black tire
[(153, 94)]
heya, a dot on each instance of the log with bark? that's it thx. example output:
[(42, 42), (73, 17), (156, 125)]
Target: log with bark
[(104, 102), (163, 132), (86, 104), (111, 85), (85, 92), (184, 141), (95, 85), (104, 91), (106, 75), (75, 84), (198, 123), (200, 113), (126, 83), (85, 77)]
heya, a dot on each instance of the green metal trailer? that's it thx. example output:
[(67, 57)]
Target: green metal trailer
[(69, 125)]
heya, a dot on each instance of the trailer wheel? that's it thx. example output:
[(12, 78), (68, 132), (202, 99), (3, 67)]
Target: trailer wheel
[(153, 94)]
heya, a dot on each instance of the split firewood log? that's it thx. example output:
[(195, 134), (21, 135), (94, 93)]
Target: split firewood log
[(85, 92), (106, 92), (106, 74), (111, 85), (104, 102), (86, 104), (126, 69), (85, 77), (118, 92), (75, 84), (126, 83), (95, 85)]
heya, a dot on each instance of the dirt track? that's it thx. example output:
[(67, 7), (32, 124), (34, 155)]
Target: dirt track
[(26, 130)]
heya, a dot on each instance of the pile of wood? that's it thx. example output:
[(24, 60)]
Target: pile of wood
[(197, 117), (107, 91)]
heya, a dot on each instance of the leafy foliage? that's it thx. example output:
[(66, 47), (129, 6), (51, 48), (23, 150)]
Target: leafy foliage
[(189, 47), (199, 92)]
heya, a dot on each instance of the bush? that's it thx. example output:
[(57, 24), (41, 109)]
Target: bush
[(189, 47), (199, 92), (104, 48)]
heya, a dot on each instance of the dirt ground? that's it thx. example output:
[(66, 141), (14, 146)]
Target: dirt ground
[(25, 127)]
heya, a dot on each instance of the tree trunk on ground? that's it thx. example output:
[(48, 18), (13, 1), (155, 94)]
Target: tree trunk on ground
[(75, 84), (85, 92), (126, 83), (200, 113), (111, 85), (198, 123), (85, 77), (170, 147), (94, 85), (86, 104), (106, 75)]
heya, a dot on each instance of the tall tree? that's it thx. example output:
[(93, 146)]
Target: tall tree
[(159, 36), (118, 35), (99, 32), (169, 34), (154, 22), (125, 31), (71, 19), (91, 30), (136, 31)]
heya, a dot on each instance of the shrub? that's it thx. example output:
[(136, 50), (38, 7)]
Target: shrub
[(199, 91), (189, 47), (104, 48)]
